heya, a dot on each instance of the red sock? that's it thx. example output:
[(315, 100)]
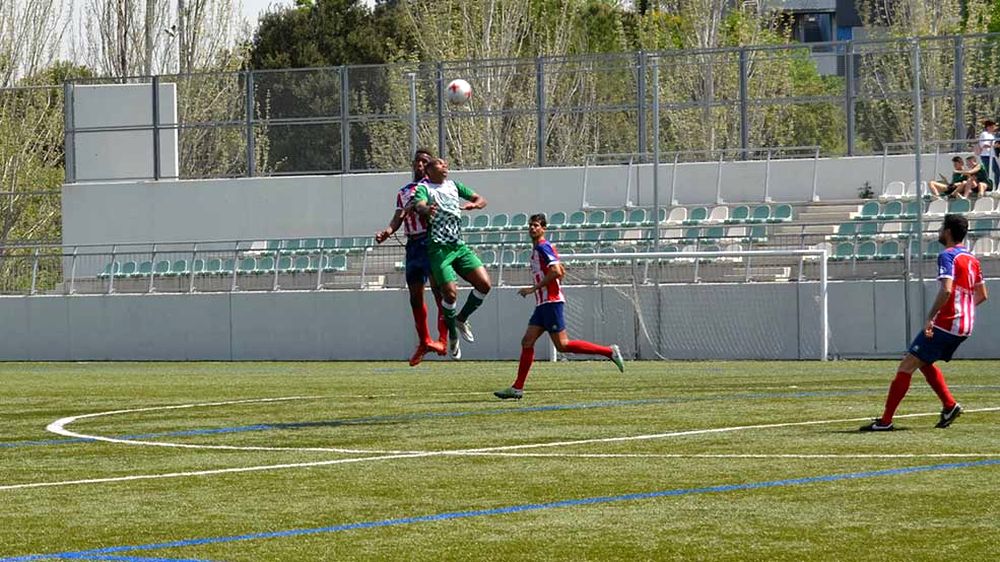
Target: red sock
[(587, 348), (935, 378), (527, 358), (442, 325), (897, 390), (420, 322)]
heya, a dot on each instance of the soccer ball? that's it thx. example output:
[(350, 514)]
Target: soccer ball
[(459, 91)]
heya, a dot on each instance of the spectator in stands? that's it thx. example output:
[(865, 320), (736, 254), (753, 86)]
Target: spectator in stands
[(959, 184), (985, 149), (979, 178)]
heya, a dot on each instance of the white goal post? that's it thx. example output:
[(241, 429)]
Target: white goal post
[(719, 298)]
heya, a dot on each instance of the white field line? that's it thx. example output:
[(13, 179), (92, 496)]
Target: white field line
[(736, 455), (421, 454)]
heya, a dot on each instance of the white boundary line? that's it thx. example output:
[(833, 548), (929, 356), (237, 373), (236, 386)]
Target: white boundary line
[(415, 454)]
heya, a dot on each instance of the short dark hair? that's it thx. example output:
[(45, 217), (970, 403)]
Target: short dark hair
[(988, 123), (423, 151), (957, 225), (957, 159), (539, 218)]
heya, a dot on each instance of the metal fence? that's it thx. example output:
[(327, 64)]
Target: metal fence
[(309, 264), (851, 97)]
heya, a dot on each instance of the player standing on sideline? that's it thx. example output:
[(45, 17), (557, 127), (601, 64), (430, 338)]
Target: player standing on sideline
[(546, 270), (948, 324), (438, 198), (417, 264)]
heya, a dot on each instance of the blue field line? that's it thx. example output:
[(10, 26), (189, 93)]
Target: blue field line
[(489, 412), (89, 554)]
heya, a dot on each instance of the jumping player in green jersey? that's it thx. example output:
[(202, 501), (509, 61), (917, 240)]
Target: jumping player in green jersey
[(440, 199)]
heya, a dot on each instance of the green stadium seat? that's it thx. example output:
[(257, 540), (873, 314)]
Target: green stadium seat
[(273, 245), (662, 216), (508, 258), (264, 265), (738, 215), (959, 206), (844, 251), (291, 246), (911, 210), (981, 225), (690, 235), (844, 232), (110, 269), (866, 250), (247, 265), (595, 219), (782, 213), (227, 266), (592, 236), (302, 264), (933, 249), (519, 221), (161, 268), (329, 244), (891, 210), (310, 246), (889, 251), (512, 238), (616, 218), (760, 214), (285, 264), (144, 270), (465, 222), (557, 220), (523, 258), (488, 257), (696, 215), (179, 267), (480, 222), (757, 235), (197, 267), (869, 211), (472, 238), (213, 266), (494, 238), (499, 222), (636, 217), (713, 234), (866, 230), (337, 263), (569, 237), (576, 220), (127, 270), (613, 235)]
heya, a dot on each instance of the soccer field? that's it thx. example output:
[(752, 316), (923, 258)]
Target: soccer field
[(331, 461)]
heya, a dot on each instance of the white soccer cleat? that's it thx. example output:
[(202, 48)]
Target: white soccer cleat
[(454, 348), (616, 357), (465, 329)]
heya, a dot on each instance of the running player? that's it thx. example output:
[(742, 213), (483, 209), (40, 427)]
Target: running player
[(439, 199), (546, 270), (948, 324), (417, 265)]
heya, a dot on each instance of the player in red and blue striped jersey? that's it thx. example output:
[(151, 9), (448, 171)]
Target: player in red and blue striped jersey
[(418, 269), (949, 323), (546, 271)]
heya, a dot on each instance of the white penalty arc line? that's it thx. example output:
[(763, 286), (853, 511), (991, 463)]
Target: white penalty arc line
[(457, 452), (58, 427)]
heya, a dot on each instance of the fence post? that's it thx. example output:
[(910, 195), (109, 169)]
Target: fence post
[(440, 109), (34, 271), (641, 104), (412, 77), (251, 142), (114, 269), (850, 93), (69, 138), (156, 127), (72, 272), (345, 125), (540, 104), (959, 97), (918, 150), (152, 270), (744, 115)]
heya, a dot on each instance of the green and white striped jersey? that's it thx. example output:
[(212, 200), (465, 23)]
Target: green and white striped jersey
[(446, 224)]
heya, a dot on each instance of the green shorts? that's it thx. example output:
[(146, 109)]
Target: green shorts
[(447, 259)]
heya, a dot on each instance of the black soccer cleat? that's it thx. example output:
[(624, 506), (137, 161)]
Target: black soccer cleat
[(876, 425), (948, 415)]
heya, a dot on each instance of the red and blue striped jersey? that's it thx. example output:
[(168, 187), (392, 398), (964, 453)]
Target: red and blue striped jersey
[(543, 257), (959, 313), (413, 223)]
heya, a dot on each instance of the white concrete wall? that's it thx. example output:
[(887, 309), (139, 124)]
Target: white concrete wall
[(353, 205), (125, 155), (776, 320)]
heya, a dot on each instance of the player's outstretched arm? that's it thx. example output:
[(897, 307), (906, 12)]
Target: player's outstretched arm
[(476, 202), (394, 223)]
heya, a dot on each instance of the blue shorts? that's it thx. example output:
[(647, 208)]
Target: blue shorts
[(418, 265), (941, 347), (549, 316)]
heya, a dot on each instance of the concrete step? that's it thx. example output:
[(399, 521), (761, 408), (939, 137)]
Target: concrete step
[(822, 216)]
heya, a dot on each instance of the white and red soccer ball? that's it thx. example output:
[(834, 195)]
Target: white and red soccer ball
[(459, 92)]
